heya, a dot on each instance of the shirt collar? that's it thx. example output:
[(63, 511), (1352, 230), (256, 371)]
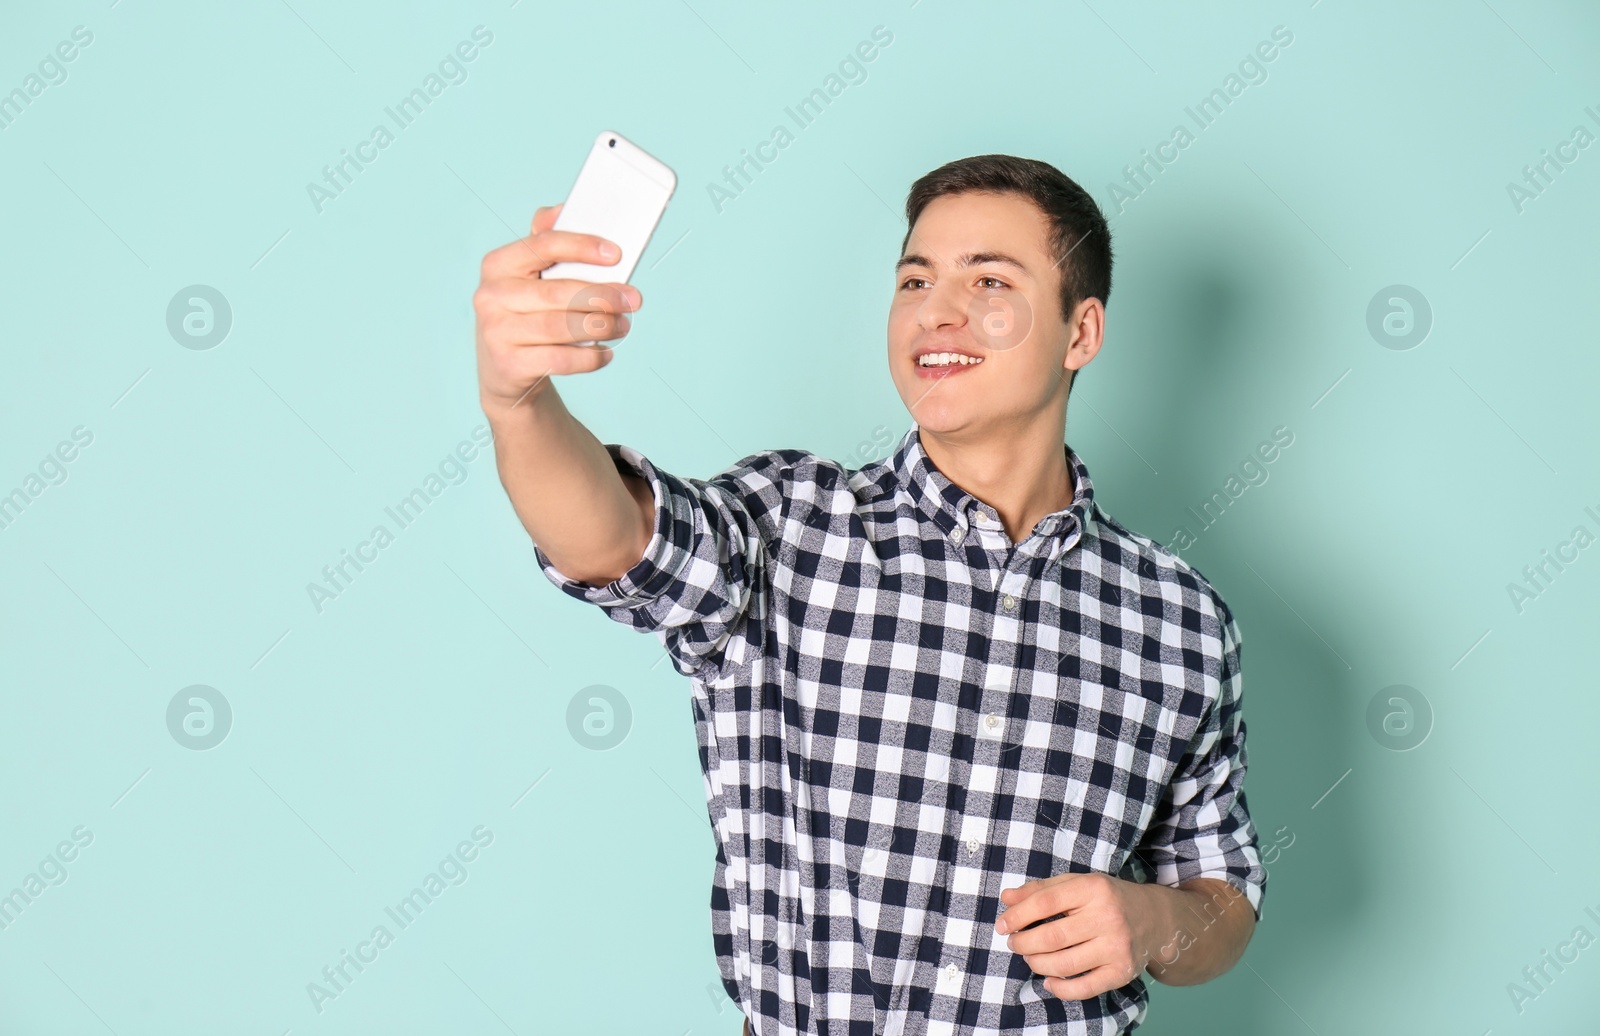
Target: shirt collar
[(953, 509)]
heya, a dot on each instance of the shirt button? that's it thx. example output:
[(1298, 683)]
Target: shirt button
[(1009, 603), (991, 722), (955, 534), (973, 845), (951, 973)]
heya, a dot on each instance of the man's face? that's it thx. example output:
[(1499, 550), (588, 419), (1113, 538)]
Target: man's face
[(976, 279)]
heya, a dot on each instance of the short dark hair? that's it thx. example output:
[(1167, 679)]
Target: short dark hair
[(1077, 227)]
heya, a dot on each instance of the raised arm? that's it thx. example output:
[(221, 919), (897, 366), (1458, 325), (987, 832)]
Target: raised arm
[(590, 517), (684, 558)]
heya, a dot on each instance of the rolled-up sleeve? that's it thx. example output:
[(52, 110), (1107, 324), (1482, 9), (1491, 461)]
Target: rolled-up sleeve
[(705, 569), (1203, 827)]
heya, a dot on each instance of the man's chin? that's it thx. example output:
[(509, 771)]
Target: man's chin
[(942, 420), (935, 406)]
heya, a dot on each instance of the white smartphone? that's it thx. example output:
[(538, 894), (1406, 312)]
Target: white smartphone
[(620, 194)]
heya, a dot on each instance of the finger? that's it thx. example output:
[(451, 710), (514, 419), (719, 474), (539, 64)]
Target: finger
[(545, 217), (556, 327), (1081, 958), (534, 364), (529, 255), (1085, 987), (1026, 889), (1045, 901), (532, 294), (1052, 935), (596, 327), (1023, 891)]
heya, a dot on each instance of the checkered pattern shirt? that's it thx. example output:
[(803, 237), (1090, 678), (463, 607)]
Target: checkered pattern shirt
[(901, 712)]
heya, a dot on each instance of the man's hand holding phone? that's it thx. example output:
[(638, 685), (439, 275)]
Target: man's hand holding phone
[(530, 328), (538, 300)]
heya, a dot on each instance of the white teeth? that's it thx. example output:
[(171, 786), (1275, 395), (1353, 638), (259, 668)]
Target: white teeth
[(946, 359)]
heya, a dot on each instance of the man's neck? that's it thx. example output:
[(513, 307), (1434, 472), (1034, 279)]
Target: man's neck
[(1023, 476)]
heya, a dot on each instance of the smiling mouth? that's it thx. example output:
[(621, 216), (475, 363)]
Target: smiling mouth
[(940, 361), (939, 366)]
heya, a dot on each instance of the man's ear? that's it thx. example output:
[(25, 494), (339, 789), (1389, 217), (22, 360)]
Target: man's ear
[(1086, 331)]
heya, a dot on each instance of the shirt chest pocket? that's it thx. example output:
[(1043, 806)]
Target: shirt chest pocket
[(1103, 760)]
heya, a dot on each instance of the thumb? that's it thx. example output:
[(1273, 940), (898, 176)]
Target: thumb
[(545, 216)]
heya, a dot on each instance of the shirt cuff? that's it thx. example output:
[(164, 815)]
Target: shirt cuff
[(1251, 890), (665, 555), (1173, 873)]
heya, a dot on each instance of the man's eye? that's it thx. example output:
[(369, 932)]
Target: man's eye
[(997, 282), (907, 282)]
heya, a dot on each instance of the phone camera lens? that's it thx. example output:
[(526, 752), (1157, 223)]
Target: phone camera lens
[(613, 141)]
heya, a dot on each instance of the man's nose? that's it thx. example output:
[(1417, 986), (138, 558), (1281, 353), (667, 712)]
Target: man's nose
[(945, 305)]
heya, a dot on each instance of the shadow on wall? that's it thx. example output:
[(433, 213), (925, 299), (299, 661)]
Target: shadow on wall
[(1300, 743), (1205, 295)]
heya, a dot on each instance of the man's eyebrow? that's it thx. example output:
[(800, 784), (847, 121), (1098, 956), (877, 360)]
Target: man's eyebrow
[(970, 259)]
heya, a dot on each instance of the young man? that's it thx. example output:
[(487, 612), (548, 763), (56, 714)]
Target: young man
[(974, 752)]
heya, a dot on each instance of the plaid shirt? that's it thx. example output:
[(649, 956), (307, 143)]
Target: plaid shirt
[(900, 712)]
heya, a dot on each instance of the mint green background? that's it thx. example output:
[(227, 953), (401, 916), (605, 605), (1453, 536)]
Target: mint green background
[(426, 700)]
